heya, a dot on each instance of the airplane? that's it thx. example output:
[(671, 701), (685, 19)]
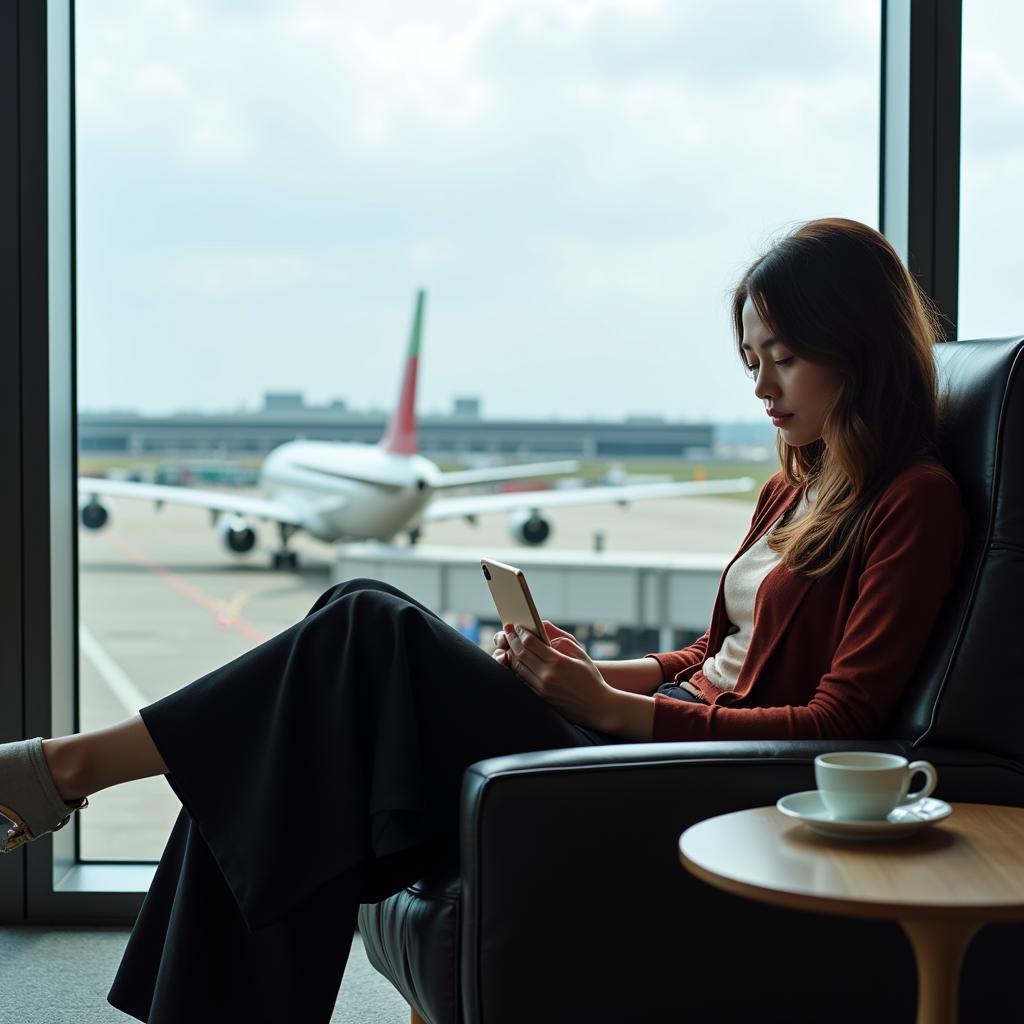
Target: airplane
[(338, 491)]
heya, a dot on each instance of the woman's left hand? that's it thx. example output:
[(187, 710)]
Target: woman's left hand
[(562, 674)]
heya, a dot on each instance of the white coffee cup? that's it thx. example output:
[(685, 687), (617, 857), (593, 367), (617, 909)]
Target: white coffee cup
[(865, 786)]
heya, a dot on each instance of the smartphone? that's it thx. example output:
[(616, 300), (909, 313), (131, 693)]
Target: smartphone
[(512, 596)]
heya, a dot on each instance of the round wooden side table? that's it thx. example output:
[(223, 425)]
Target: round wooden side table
[(941, 884)]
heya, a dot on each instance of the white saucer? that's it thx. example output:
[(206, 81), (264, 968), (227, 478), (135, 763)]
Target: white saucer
[(903, 821)]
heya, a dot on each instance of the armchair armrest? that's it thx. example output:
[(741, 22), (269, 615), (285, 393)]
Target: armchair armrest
[(539, 804)]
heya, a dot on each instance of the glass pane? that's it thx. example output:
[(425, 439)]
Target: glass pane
[(262, 188), (991, 169)]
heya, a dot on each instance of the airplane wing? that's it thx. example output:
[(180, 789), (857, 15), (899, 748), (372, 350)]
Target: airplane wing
[(479, 504), (260, 508), (495, 474)]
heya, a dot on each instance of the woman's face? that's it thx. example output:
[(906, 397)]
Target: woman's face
[(791, 387)]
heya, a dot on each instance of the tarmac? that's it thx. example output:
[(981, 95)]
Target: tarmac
[(162, 602)]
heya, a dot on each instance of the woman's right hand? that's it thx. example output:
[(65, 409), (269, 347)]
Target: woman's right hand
[(500, 652), (640, 675)]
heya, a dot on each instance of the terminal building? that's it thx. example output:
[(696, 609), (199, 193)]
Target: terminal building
[(462, 435)]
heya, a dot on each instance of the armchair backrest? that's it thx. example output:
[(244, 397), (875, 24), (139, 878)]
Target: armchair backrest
[(968, 690)]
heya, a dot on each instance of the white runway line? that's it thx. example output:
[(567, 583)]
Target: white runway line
[(113, 675)]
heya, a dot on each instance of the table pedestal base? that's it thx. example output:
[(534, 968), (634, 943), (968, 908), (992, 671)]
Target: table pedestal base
[(939, 948)]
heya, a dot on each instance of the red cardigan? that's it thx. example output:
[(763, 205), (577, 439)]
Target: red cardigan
[(829, 658)]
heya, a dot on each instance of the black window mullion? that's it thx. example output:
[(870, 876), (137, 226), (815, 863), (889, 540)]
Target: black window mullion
[(919, 190), (12, 721)]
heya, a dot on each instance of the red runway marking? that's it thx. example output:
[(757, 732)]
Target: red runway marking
[(186, 589)]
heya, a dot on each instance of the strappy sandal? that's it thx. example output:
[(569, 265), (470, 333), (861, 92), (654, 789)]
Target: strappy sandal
[(28, 797)]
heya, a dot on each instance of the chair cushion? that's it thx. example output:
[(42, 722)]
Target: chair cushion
[(412, 938)]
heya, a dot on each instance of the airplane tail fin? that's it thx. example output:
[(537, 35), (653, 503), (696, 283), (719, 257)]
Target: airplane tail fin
[(401, 435)]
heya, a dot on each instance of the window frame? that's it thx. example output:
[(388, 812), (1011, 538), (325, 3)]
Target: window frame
[(45, 881), (919, 154), (12, 869)]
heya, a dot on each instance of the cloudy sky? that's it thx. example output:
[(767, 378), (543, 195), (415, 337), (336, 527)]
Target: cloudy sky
[(262, 187)]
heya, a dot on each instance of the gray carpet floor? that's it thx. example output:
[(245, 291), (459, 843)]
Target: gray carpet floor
[(51, 975)]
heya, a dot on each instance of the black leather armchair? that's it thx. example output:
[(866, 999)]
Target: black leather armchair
[(569, 903)]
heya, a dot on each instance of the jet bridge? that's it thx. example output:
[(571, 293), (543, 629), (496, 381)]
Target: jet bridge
[(640, 589)]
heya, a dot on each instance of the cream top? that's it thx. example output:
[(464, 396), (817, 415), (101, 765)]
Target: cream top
[(739, 591)]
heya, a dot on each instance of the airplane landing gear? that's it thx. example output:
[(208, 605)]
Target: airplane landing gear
[(414, 536), (284, 559)]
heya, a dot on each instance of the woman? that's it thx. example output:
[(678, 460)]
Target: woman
[(322, 769)]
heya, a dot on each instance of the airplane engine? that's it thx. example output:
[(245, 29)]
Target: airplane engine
[(528, 528), (94, 514), (237, 535)]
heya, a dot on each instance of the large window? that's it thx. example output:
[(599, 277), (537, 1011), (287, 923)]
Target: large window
[(992, 168), (261, 189)]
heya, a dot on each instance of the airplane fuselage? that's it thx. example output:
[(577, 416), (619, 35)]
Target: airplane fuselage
[(347, 491)]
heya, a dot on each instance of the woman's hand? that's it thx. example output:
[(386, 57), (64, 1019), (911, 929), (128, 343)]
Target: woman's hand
[(501, 648), (562, 674)]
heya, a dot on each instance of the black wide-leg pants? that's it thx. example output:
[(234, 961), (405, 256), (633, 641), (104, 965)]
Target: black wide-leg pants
[(317, 771)]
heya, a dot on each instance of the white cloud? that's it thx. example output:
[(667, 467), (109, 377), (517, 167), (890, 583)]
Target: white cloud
[(419, 67), (209, 270), (428, 254), (130, 81)]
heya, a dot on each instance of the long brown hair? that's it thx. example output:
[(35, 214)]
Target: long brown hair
[(838, 294)]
